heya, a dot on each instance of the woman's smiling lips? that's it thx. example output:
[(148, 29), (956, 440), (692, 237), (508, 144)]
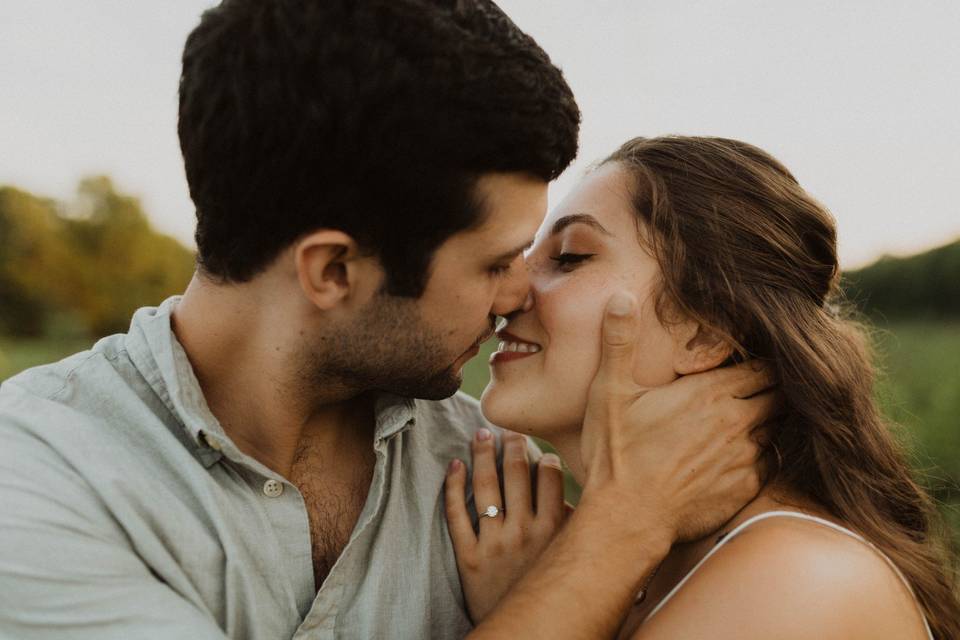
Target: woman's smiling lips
[(513, 348)]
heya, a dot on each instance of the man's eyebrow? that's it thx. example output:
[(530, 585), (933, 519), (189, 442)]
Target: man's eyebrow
[(578, 218), (510, 255)]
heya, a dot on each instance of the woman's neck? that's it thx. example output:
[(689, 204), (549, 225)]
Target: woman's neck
[(568, 448)]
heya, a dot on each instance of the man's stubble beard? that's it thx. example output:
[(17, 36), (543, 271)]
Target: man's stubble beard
[(388, 348)]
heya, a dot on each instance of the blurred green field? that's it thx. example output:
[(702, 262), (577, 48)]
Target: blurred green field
[(919, 389), (17, 354)]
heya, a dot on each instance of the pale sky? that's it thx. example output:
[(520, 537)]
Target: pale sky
[(859, 98)]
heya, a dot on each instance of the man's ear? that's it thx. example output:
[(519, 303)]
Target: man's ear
[(698, 348), (331, 269)]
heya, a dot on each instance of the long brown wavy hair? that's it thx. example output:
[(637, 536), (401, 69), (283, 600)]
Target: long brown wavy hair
[(745, 251)]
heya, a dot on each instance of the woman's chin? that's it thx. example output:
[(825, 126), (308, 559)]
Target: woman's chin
[(516, 411), (490, 408), (502, 410)]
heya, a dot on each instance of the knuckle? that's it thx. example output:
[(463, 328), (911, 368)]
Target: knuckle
[(470, 562), (497, 547), (515, 538), (518, 466), (551, 521), (485, 475), (486, 481)]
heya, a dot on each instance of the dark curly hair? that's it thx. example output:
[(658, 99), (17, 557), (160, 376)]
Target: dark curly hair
[(374, 117)]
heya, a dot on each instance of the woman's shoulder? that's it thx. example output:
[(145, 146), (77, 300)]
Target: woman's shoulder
[(790, 576)]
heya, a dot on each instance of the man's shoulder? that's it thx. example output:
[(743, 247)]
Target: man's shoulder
[(83, 402), (53, 380)]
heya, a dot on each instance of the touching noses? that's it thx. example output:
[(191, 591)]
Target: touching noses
[(514, 292)]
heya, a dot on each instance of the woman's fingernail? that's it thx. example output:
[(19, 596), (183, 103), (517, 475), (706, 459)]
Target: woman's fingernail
[(551, 460), (454, 466), (620, 304), (484, 434)]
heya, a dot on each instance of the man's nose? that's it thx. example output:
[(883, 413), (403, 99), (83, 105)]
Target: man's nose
[(514, 293)]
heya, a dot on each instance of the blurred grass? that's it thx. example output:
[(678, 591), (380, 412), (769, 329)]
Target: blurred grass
[(919, 390), (17, 354)]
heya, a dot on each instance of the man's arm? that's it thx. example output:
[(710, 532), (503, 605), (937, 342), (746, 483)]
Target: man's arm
[(662, 465), (67, 570)]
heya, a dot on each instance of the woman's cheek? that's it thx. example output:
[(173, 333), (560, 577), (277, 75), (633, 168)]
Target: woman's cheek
[(577, 330), (653, 354)]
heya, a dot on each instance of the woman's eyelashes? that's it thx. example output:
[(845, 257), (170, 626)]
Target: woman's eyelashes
[(569, 261)]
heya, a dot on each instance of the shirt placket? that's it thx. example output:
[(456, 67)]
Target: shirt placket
[(286, 512), (321, 621)]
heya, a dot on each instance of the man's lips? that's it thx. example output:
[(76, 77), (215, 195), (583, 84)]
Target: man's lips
[(475, 347), (489, 334)]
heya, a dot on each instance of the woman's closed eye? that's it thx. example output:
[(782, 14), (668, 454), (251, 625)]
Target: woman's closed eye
[(568, 261)]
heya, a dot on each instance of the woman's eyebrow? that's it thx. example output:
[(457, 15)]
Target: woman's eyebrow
[(578, 218)]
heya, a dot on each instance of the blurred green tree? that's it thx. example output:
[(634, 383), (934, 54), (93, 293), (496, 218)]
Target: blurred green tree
[(85, 266), (921, 286)]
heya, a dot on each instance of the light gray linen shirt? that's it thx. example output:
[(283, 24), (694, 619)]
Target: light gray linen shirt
[(126, 512)]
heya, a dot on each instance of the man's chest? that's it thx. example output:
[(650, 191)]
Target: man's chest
[(333, 511), (334, 496)]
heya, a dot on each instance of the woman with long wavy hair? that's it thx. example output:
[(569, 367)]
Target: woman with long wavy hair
[(728, 258)]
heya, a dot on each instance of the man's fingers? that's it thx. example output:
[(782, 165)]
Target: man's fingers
[(619, 338), (757, 410), (747, 379), (550, 506), (516, 478), (458, 518)]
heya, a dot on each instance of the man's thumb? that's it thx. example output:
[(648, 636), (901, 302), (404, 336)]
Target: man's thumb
[(619, 331)]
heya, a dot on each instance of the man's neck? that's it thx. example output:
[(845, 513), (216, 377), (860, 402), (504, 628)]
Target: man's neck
[(243, 355)]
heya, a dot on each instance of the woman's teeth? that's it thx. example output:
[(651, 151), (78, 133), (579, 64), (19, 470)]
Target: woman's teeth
[(520, 347)]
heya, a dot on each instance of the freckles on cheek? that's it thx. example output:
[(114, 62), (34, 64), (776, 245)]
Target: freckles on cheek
[(577, 327)]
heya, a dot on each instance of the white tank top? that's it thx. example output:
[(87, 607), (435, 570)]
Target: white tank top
[(786, 514)]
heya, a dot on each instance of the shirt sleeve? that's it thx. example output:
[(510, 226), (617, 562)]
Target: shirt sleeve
[(67, 569)]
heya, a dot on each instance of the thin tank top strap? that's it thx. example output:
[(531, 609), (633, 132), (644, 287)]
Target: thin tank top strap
[(799, 516)]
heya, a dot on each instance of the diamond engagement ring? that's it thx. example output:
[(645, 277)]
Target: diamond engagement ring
[(491, 512)]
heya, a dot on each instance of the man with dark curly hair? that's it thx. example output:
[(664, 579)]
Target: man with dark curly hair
[(262, 457)]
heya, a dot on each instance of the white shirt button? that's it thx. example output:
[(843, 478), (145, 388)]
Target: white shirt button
[(212, 442), (272, 488)]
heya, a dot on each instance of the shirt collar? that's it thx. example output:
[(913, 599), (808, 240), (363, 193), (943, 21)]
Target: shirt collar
[(395, 414), (156, 352), (161, 359)]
